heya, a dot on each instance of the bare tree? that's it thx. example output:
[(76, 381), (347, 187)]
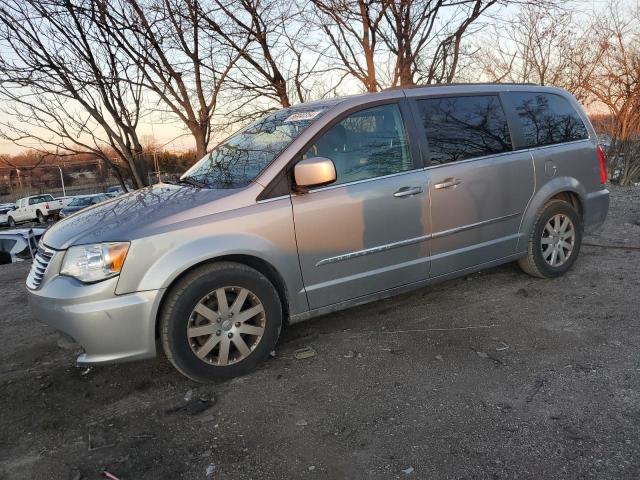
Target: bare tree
[(180, 62), (399, 43), (275, 65), (542, 45), (615, 83), (351, 29), (65, 84)]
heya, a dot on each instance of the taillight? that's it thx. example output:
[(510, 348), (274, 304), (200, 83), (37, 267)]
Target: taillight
[(603, 165), (46, 205)]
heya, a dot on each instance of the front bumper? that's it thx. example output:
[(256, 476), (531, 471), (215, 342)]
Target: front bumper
[(110, 328)]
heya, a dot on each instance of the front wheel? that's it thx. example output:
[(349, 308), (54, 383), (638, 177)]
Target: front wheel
[(554, 242), (220, 321)]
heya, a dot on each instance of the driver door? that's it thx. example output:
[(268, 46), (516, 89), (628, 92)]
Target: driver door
[(366, 232)]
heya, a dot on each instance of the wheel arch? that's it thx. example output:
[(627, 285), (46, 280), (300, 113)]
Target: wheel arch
[(257, 263), (563, 188)]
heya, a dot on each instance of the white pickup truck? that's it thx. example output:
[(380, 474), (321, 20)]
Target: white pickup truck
[(36, 207)]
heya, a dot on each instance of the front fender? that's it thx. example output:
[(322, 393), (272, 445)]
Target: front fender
[(264, 231)]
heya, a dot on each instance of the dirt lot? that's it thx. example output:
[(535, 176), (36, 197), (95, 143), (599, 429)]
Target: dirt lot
[(497, 375)]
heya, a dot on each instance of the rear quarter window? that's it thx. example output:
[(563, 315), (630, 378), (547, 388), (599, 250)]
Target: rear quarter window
[(546, 119)]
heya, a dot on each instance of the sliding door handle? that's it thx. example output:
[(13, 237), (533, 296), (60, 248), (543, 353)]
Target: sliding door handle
[(407, 192), (447, 183)]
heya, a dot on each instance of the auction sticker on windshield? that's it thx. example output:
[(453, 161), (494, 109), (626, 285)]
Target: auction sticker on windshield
[(301, 116)]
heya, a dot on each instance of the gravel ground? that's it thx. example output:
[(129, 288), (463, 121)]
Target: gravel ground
[(496, 375)]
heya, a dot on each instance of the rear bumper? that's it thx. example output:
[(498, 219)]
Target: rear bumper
[(110, 328), (596, 208)]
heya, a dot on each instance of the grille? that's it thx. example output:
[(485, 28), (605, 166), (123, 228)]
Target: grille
[(39, 267)]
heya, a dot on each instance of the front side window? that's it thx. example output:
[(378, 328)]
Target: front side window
[(546, 119), (367, 144), (459, 128), (237, 161)]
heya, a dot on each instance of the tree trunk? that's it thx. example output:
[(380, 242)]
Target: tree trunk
[(281, 90), (201, 141)]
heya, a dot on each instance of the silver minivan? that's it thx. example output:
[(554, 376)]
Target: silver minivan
[(317, 208)]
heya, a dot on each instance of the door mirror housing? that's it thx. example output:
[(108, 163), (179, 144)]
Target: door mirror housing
[(314, 172)]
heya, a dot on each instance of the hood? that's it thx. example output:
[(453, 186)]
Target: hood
[(134, 215)]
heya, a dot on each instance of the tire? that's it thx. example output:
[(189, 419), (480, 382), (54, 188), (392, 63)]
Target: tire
[(200, 290), (545, 237), (12, 222), (40, 217)]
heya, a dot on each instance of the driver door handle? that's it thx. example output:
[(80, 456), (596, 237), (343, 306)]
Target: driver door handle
[(407, 192), (447, 183)]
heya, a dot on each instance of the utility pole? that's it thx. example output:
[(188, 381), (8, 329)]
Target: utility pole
[(64, 192)]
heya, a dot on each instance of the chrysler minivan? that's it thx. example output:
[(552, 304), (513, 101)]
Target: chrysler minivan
[(317, 208)]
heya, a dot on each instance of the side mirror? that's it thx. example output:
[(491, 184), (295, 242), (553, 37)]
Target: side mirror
[(314, 172)]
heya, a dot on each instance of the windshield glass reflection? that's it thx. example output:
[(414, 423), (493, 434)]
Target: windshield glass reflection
[(237, 161)]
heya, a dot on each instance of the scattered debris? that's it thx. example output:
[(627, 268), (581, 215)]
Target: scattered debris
[(439, 358), (488, 356), (408, 471), (93, 447), (194, 407), (272, 354), (302, 353), (349, 354), (110, 476), (502, 347), (188, 396), (312, 468), (211, 468), (535, 388), (470, 327), (393, 351), (301, 423), (86, 371)]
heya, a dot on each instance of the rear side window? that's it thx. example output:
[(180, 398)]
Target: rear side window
[(459, 128), (546, 119), (367, 144)]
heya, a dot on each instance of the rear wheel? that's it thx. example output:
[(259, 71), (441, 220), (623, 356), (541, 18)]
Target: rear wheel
[(555, 241), (220, 321), (41, 218), (12, 222)]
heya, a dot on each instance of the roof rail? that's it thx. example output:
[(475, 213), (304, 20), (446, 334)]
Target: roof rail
[(453, 84)]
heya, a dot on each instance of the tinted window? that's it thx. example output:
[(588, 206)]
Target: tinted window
[(464, 127), (370, 143), (547, 119)]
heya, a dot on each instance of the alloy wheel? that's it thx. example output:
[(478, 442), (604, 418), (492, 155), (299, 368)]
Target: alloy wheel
[(226, 326), (558, 239)]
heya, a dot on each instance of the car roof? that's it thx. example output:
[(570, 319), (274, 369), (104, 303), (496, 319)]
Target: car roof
[(426, 90)]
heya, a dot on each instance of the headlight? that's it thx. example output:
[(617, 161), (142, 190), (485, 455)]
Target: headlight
[(92, 263)]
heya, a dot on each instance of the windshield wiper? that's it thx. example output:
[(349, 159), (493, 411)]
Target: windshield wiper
[(193, 182)]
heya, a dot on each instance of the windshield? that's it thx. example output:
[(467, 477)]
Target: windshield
[(237, 161), (81, 202)]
